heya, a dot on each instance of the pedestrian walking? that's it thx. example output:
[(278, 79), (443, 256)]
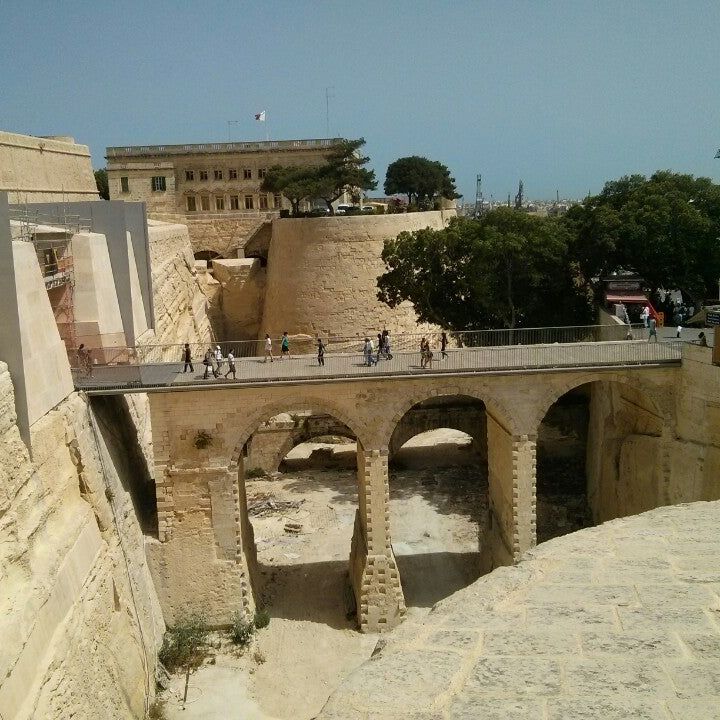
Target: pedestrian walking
[(652, 329), (645, 315), (209, 363), (702, 340), (380, 346), (386, 344), (231, 364), (368, 351), (84, 360), (268, 349), (425, 353), (321, 352), (443, 345), (285, 346), (218, 359), (679, 330), (187, 358)]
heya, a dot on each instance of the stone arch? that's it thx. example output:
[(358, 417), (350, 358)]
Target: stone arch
[(556, 390), (492, 405), (252, 422)]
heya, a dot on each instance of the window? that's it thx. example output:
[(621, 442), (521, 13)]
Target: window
[(158, 183), (277, 200), (124, 184), (191, 205), (232, 174), (247, 174), (234, 202), (205, 203), (218, 174), (219, 202), (249, 202), (261, 173), (203, 174), (189, 175), (263, 202)]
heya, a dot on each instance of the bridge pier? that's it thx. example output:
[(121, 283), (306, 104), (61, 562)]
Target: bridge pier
[(199, 564), (511, 527), (373, 570)]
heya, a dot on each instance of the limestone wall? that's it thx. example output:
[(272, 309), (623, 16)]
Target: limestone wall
[(179, 299), (34, 169), (79, 619), (322, 274), (242, 283)]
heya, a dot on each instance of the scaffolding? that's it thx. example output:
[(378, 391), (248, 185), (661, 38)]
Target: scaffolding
[(51, 235)]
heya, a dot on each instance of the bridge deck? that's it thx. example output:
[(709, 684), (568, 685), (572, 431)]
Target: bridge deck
[(158, 377)]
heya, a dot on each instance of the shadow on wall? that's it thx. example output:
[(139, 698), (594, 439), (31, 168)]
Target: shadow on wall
[(118, 432)]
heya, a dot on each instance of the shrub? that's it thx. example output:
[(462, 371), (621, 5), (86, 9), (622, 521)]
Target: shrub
[(185, 645), (157, 710), (242, 630), (255, 473), (203, 439), (262, 618)]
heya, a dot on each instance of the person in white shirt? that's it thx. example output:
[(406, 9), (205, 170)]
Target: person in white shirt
[(268, 349), (231, 364)]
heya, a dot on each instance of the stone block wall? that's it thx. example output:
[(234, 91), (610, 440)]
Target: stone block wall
[(179, 299), (242, 283), (79, 618), (34, 169), (322, 275)]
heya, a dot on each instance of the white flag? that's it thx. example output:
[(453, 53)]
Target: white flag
[(260, 117)]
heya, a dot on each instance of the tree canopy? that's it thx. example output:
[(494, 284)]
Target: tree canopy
[(665, 228), (422, 180), (101, 181), (507, 269), (343, 171)]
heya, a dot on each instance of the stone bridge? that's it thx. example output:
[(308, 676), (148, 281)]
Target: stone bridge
[(205, 556)]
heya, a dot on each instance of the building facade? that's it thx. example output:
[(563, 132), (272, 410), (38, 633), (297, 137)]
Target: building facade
[(212, 187)]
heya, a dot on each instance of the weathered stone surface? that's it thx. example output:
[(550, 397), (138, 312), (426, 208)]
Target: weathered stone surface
[(528, 644)]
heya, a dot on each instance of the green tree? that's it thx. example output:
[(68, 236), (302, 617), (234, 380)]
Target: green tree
[(665, 228), (101, 180), (294, 182), (507, 269), (343, 172), (422, 180)]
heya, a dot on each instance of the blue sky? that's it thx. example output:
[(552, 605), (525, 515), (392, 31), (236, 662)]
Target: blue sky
[(564, 95)]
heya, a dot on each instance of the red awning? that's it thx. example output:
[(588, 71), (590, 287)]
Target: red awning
[(633, 298)]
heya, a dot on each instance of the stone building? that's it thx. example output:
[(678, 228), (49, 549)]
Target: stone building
[(214, 188), (45, 169)]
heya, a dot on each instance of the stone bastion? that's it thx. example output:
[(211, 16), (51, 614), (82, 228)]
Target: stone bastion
[(322, 275), (614, 622)]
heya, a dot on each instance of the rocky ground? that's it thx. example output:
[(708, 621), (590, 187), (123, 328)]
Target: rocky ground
[(303, 522)]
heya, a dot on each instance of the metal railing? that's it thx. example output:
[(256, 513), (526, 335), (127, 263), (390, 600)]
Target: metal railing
[(307, 345), (463, 360)]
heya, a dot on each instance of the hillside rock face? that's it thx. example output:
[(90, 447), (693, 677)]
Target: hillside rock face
[(79, 617), (617, 621)]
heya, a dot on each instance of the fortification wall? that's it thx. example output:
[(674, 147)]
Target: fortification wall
[(34, 169), (179, 298), (223, 233), (79, 618), (322, 275), (242, 283), (641, 455)]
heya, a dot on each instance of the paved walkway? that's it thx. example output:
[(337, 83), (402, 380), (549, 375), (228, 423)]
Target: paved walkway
[(459, 361), (615, 622)]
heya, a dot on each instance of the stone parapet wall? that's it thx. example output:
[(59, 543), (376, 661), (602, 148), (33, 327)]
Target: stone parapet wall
[(79, 619), (322, 275), (34, 169)]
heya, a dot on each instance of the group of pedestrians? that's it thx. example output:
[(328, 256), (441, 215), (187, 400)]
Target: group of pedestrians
[(373, 354)]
